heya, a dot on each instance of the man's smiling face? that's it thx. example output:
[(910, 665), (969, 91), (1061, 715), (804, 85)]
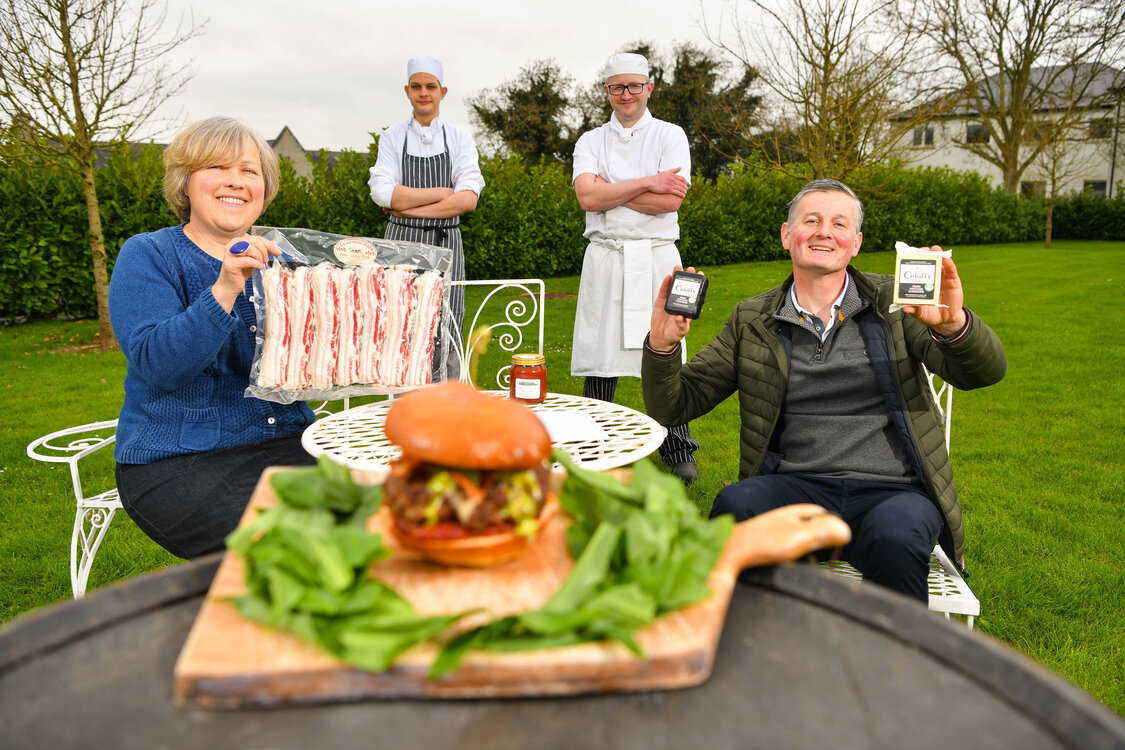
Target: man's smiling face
[(822, 238)]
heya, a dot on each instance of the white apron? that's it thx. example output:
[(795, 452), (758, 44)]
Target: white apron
[(620, 281)]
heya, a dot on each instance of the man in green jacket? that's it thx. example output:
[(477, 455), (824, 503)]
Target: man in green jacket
[(834, 404)]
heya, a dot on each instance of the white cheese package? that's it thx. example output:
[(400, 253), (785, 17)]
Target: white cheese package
[(917, 276), (343, 316)]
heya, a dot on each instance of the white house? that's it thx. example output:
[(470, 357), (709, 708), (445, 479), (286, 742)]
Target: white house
[(1092, 157)]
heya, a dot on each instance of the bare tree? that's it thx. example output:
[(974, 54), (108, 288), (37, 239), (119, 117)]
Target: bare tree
[(1066, 153), (845, 80), (1017, 60), (77, 73)]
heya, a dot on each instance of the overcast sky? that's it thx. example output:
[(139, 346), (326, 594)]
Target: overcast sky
[(333, 70)]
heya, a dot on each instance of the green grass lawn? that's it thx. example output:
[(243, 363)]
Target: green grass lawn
[(1039, 458)]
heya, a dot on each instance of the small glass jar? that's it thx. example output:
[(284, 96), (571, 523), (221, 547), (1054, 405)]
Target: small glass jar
[(527, 380)]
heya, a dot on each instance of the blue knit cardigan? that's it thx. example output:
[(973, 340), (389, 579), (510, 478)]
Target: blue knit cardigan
[(188, 360)]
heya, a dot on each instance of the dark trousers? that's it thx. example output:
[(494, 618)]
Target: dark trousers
[(894, 526), (677, 447), (188, 504)]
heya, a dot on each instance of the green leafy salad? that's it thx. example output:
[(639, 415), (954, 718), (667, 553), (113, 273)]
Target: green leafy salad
[(640, 550)]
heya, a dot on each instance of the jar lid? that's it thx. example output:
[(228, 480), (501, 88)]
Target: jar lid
[(527, 360)]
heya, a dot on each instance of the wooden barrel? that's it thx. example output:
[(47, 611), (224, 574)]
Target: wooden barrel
[(806, 659)]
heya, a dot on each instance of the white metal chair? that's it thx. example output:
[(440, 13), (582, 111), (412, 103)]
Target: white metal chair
[(94, 514), (949, 594), (522, 309)]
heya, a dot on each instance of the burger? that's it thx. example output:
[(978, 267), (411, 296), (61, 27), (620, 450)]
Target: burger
[(472, 485)]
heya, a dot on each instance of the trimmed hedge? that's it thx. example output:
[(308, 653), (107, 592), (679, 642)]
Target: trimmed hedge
[(1090, 217), (938, 206), (527, 223)]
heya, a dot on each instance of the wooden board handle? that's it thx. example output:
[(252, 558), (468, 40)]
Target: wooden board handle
[(783, 535)]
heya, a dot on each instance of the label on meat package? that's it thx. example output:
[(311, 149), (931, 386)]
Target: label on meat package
[(354, 251)]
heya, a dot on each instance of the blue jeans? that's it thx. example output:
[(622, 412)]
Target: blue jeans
[(894, 526), (188, 504)]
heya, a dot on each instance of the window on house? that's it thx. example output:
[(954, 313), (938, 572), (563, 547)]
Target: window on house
[(1042, 130), (1032, 189), (923, 137), (1101, 129), (1094, 187), (976, 132)]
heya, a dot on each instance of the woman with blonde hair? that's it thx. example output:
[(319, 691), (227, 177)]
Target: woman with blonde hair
[(190, 445)]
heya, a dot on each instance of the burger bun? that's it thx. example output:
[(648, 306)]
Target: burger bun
[(454, 424)]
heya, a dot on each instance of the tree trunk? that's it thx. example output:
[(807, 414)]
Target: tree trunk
[(1011, 176), (1050, 223), (106, 339)]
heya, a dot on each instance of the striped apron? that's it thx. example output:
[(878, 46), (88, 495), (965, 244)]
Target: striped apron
[(428, 172)]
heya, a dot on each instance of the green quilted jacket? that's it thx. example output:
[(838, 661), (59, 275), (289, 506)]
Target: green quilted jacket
[(748, 357)]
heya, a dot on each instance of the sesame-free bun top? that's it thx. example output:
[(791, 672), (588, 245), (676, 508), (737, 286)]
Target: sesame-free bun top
[(454, 424)]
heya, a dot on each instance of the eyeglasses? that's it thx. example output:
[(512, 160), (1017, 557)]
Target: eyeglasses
[(617, 89)]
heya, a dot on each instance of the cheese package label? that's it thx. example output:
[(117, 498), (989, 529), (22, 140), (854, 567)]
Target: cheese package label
[(917, 278)]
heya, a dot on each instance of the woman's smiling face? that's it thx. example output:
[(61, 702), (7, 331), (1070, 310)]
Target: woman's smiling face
[(226, 199)]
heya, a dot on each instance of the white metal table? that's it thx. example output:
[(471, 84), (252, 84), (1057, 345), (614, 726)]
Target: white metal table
[(355, 437)]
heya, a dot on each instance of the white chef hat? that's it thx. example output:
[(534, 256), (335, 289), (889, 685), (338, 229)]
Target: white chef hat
[(626, 63), (424, 64)]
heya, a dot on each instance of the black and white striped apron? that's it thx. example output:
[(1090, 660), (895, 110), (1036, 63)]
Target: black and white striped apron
[(429, 172)]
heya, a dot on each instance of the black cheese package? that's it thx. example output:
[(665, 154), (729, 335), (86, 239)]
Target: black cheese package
[(686, 294)]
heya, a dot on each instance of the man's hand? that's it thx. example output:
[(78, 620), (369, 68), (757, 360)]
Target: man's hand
[(665, 331), (949, 320), (660, 193), (669, 182)]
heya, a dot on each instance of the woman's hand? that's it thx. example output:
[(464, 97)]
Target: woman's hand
[(243, 256)]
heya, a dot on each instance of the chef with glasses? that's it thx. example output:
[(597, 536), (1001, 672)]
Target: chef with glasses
[(630, 176)]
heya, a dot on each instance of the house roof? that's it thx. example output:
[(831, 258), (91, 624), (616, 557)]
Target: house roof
[(1103, 86), (286, 143), (285, 139)]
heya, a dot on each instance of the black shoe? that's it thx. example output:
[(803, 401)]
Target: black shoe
[(686, 472)]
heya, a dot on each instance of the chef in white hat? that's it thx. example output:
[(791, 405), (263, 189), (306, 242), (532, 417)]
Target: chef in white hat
[(427, 174), (630, 176)]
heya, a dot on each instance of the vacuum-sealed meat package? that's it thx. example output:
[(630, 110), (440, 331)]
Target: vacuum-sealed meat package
[(343, 316)]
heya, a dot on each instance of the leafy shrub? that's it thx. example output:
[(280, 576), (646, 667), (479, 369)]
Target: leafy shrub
[(526, 224), (43, 218), (735, 218), (939, 206), (45, 268), (1090, 217)]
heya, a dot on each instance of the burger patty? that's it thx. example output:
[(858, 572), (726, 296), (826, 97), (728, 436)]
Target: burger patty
[(409, 498)]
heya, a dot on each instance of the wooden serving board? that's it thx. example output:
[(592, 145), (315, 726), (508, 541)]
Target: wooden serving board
[(231, 662)]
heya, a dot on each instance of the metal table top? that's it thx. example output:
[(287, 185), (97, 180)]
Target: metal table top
[(355, 437)]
